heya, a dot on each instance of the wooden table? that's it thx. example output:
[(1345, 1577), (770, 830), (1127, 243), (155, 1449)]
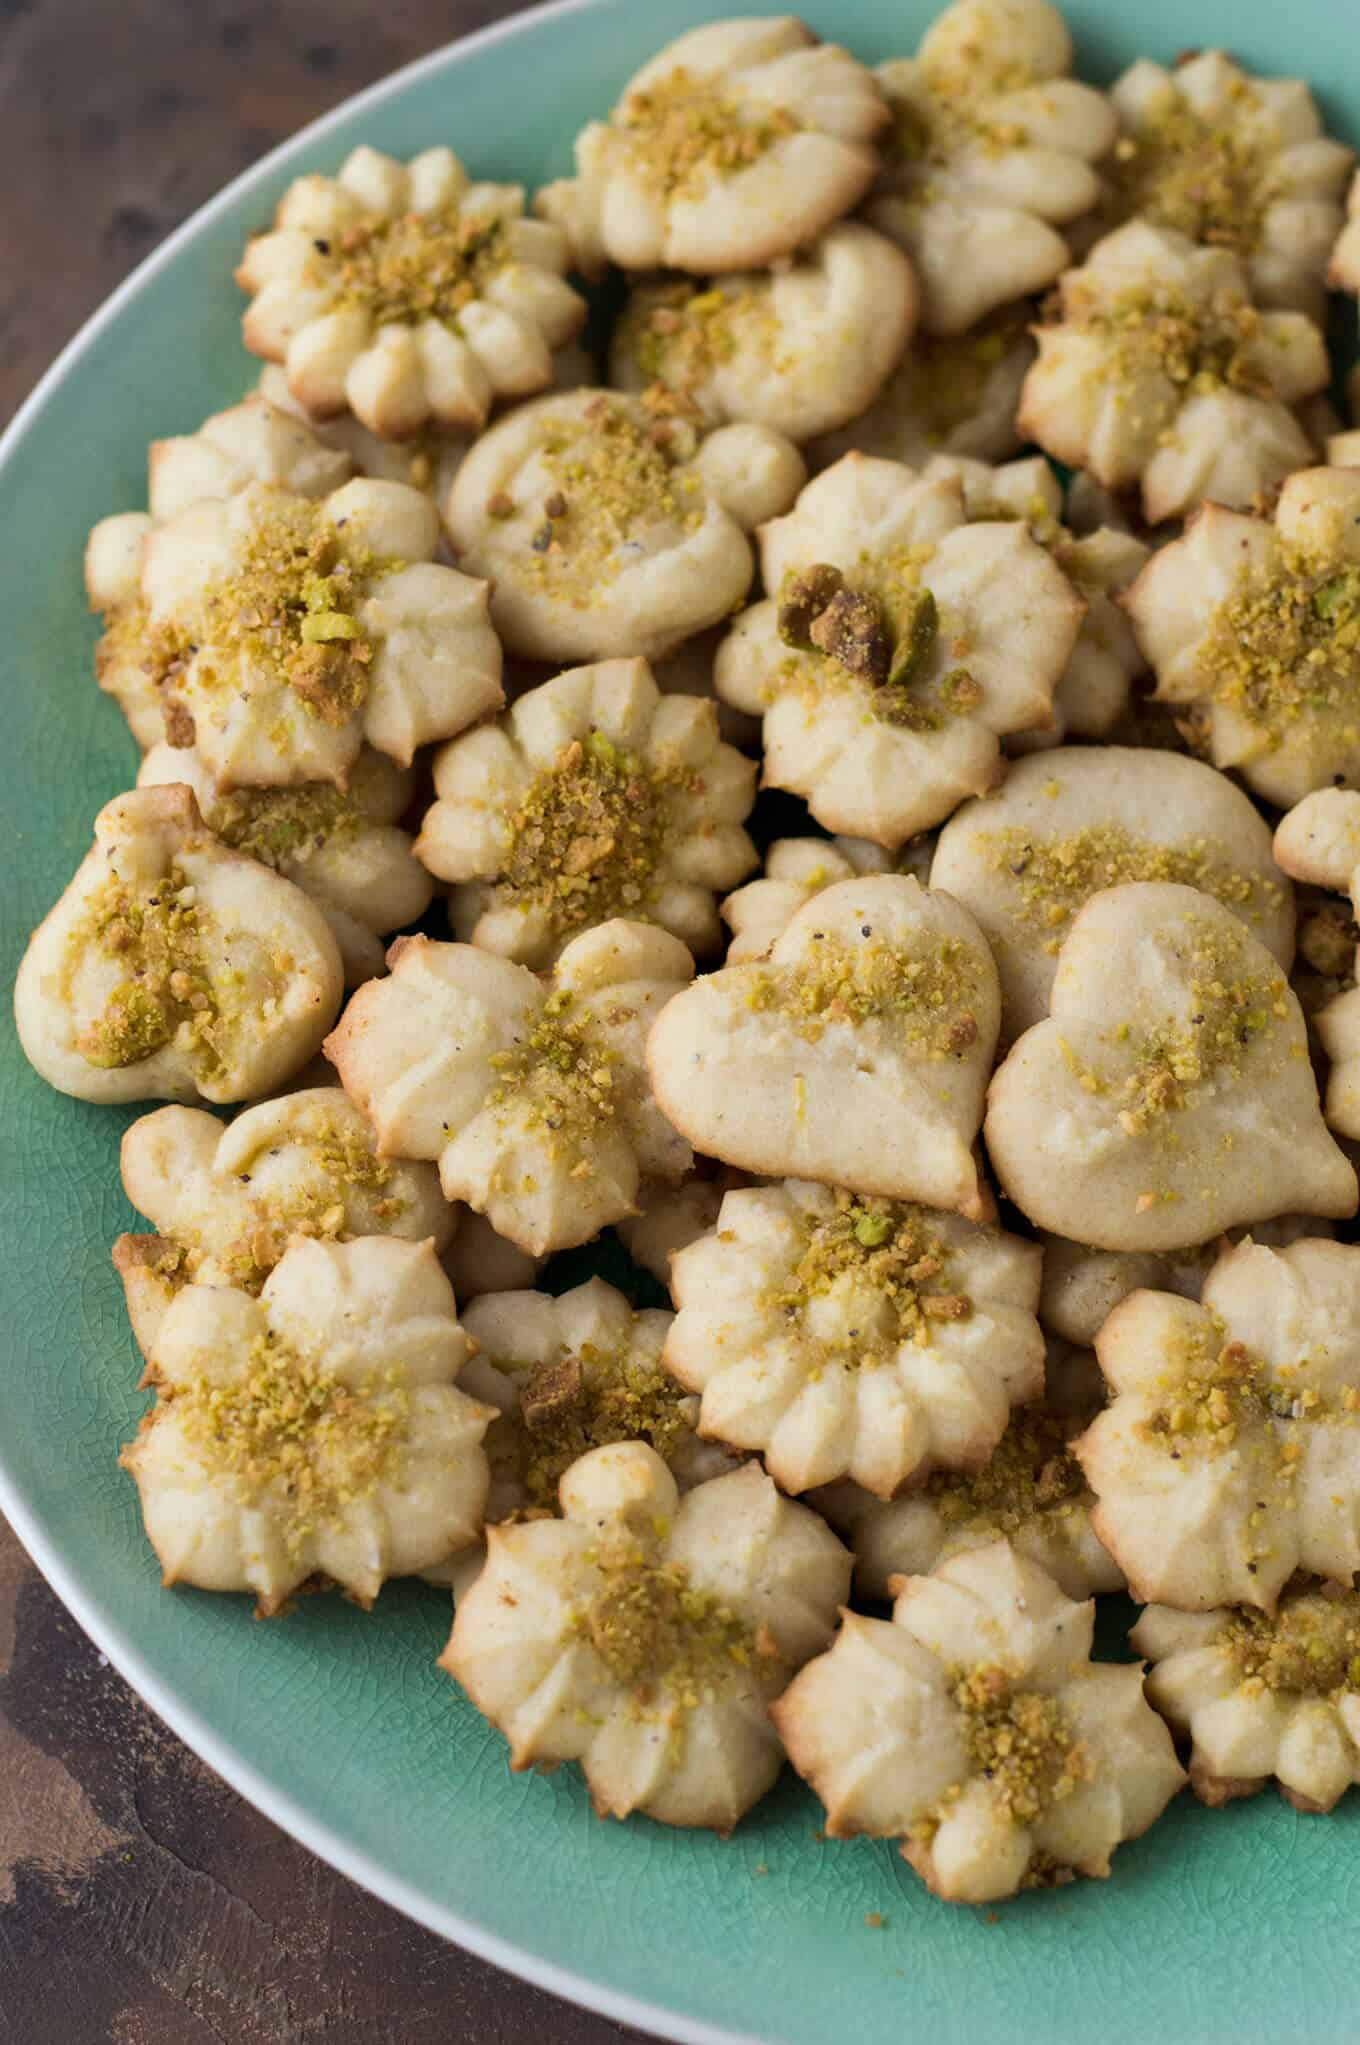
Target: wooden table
[(141, 1902)]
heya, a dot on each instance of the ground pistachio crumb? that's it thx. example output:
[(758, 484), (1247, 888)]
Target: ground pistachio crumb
[(342, 1165), (1021, 1742), (587, 1400), (1214, 1386), (682, 330), (684, 132), (130, 639), (413, 267), (944, 378), (1210, 180), (155, 934), (559, 1078), (927, 995), (884, 1251), (1155, 330), (664, 1639), (1285, 645), (291, 1432), (275, 825), (954, 115), (622, 484), (1310, 1647), (1030, 1475)]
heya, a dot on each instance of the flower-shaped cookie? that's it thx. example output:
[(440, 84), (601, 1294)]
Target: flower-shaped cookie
[(606, 529), (1236, 161), (1169, 1096), (856, 1053), (898, 643), (340, 845), (842, 1337), (478, 1260), (949, 394), (314, 1432), (801, 349), (1319, 843), (297, 630), (975, 1728), (427, 460), (737, 144), (670, 1218), (1070, 823), (1262, 1695), (531, 1093), (595, 796), (644, 1634), (1256, 622), (254, 442), (405, 293), (1159, 371), (1229, 1456), (227, 1200), (174, 968), (1030, 1492), (990, 152), (796, 869)]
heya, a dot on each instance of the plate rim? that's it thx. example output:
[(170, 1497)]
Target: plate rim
[(107, 1635)]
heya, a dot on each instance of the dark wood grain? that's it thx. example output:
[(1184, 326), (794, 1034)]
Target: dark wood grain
[(141, 1902)]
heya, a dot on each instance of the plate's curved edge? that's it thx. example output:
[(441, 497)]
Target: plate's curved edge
[(109, 1639)]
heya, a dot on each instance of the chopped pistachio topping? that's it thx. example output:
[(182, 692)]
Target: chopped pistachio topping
[(588, 1400), (342, 1166), (155, 934), (1284, 647), (684, 133), (957, 115), (1055, 876), (1031, 1475), (1155, 330), (662, 1638), (1310, 1647), (927, 997), (1213, 1387), (944, 379), (890, 1266), (1021, 1742), (1210, 180), (559, 1078), (880, 634), (130, 640), (620, 487), (294, 1436), (275, 825), (416, 266), (680, 332)]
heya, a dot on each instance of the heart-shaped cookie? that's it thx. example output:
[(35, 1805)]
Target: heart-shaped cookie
[(1170, 1094), (856, 1053)]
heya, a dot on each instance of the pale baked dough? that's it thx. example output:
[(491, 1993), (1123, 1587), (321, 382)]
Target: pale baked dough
[(478, 1260), (1318, 842), (172, 968), (796, 869), (975, 1728), (669, 1218), (644, 1634), (949, 394)]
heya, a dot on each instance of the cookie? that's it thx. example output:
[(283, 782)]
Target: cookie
[(1318, 842), (670, 1218), (796, 869), (478, 1260)]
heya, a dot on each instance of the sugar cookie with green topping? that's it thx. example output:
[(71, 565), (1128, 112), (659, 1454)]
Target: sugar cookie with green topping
[(975, 1728), (670, 1218), (1030, 1492), (227, 1200), (1169, 1094), (899, 643), (1255, 623), (173, 968), (1318, 843), (408, 294), (298, 630), (738, 144), (1343, 271), (594, 796), (606, 529), (341, 846), (990, 152), (802, 349), (644, 1634), (856, 1053), (1070, 823), (1262, 1695), (1159, 372), (841, 1336), (531, 1093), (1235, 161), (315, 1433), (796, 869), (1229, 1455)]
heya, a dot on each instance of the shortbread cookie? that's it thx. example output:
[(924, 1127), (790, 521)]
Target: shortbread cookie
[(950, 394), (688, 671), (1255, 622), (293, 631), (594, 796), (1234, 161), (1343, 273), (478, 1260), (844, 1337), (1261, 1696), (1159, 372), (606, 530), (1070, 823), (172, 968), (1170, 1094), (670, 1218), (1031, 1492), (796, 869), (898, 643), (314, 1432), (226, 1201), (976, 1729), (407, 293), (990, 152), (427, 460), (856, 1054), (1319, 842), (644, 1634), (801, 349), (737, 144), (531, 1093), (1230, 1454), (341, 846)]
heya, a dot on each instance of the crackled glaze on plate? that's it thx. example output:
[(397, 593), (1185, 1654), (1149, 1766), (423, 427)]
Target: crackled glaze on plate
[(1238, 1924)]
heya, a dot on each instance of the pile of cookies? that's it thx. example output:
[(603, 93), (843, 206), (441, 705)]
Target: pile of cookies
[(1000, 1173)]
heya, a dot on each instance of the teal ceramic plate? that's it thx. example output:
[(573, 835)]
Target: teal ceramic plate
[(1239, 1924)]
